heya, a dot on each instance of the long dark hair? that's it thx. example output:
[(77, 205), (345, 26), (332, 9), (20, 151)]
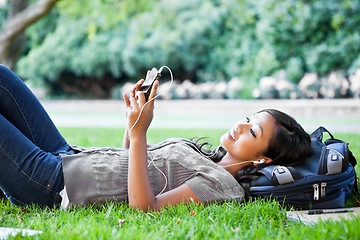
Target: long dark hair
[(288, 145)]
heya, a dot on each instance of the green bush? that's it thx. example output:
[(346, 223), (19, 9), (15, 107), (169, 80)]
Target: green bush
[(206, 40), (57, 53)]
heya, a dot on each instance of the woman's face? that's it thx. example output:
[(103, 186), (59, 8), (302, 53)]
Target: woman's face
[(248, 140)]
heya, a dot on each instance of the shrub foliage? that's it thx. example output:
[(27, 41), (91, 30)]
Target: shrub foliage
[(96, 45)]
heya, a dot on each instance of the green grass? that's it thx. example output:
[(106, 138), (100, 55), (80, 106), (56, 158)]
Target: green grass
[(113, 136), (253, 220)]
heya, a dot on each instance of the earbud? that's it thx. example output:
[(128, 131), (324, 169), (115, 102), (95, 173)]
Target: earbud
[(259, 162), (255, 162)]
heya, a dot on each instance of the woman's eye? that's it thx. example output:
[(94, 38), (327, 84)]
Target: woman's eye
[(252, 132)]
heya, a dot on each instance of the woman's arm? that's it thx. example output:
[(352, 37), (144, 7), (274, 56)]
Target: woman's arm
[(140, 191), (126, 141)]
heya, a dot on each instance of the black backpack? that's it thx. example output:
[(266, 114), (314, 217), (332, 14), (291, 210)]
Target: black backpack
[(324, 180)]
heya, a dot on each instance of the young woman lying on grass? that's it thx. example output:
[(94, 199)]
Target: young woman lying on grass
[(39, 166)]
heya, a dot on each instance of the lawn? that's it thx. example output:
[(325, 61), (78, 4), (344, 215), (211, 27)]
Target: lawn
[(253, 220)]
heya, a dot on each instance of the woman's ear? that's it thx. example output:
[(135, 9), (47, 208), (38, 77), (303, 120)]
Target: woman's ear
[(263, 160)]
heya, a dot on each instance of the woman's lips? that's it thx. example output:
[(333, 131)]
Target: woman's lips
[(231, 134)]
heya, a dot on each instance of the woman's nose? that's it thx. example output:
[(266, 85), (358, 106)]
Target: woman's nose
[(241, 126)]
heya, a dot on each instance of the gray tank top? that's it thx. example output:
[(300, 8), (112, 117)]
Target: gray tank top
[(96, 175)]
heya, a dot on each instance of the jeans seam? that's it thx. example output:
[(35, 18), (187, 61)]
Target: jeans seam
[(31, 178), (15, 200), (21, 112), (51, 180)]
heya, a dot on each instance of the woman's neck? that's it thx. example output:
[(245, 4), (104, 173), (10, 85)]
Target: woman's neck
[(232, 165)]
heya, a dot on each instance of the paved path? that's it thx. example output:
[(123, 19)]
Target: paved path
[(337, 115)]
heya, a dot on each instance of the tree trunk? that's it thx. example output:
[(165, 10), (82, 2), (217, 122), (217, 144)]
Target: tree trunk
[(15, 47), (21, 16)]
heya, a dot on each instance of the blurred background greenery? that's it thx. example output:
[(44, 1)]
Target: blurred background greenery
[(90, 49)]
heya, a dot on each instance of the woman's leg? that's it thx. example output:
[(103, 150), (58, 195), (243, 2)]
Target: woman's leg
[(30, 144), (27, 174), (20, 107)]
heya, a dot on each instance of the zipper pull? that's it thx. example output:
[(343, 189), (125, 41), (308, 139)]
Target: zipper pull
[(323, 186), (316, 191)]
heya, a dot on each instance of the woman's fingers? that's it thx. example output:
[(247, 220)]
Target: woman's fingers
[(133, 101), (136, 87), (153, 89), (136, 98), (126, 99), (140, 96)]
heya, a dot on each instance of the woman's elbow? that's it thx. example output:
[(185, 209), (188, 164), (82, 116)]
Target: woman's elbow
[(145, 207)]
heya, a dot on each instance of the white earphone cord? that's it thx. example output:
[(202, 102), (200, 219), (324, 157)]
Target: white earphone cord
[(256, 162), (137, 120), (152, 99)]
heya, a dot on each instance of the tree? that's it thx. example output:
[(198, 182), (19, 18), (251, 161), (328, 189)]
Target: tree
[(21, 16), (86, 45)]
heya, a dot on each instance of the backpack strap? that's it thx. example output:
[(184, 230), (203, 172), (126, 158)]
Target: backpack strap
[(280, 175), (318, 133), (335, 162), (334, 152), (333, 159), (353, 162), (347, 154)]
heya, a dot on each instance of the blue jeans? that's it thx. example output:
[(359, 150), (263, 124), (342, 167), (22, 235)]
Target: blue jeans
[(30, 146)]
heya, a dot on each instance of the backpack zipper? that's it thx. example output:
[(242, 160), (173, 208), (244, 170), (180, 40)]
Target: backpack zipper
[(323, 189), (319, 194), (316, 191)]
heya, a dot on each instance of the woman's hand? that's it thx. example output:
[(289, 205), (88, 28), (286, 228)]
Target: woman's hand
[(139, 112)]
